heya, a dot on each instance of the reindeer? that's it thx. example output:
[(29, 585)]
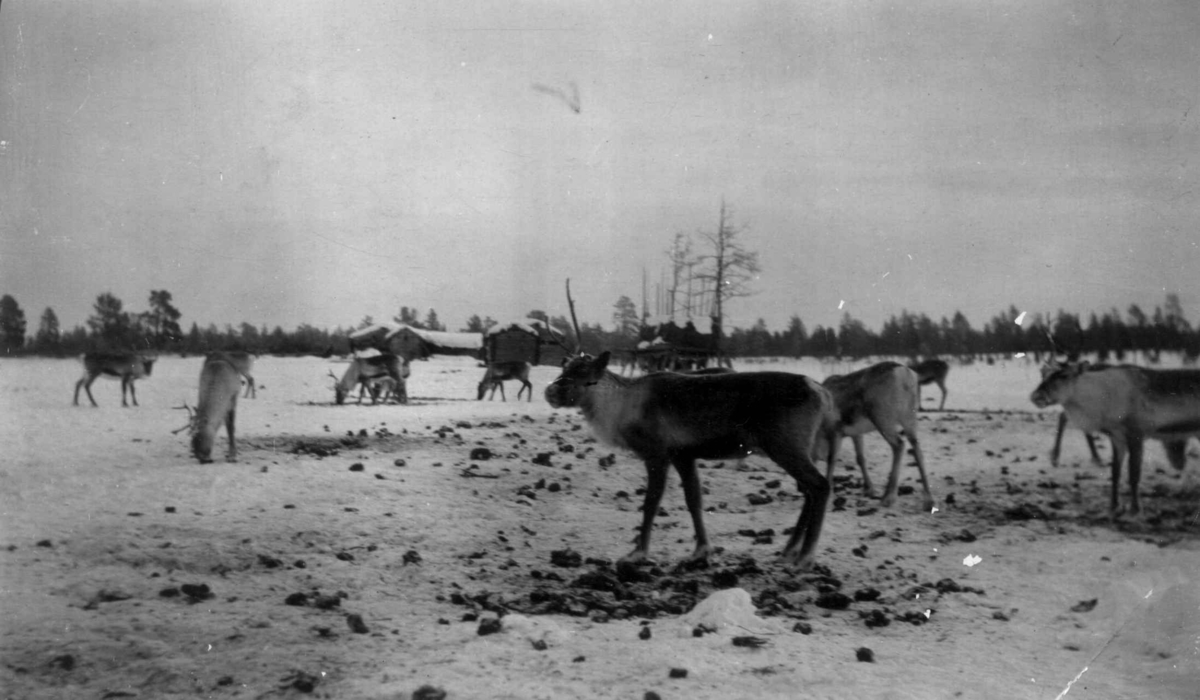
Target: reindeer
[(220, 384), (499, 372), (384, 387), (126, 366), (883, 397), (1128, 404), (243, 362), (1047, 369), (363, 369), (675, 419), (932, 372)]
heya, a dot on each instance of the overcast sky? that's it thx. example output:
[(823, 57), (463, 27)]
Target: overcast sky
[(316, 162)]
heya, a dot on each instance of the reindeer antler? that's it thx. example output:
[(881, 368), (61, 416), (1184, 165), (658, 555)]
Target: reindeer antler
[(191, 423), (574, 320)]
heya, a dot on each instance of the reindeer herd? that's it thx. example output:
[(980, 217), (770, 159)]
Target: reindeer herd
[(671, 419)]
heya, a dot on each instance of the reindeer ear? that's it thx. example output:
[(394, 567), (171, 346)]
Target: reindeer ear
[(602, 361)]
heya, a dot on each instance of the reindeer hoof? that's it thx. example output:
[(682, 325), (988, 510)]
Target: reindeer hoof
[(888, 501), (796, 564), (635, 557)]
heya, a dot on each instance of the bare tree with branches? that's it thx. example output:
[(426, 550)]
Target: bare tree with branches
[(728, 268), (680, 255)]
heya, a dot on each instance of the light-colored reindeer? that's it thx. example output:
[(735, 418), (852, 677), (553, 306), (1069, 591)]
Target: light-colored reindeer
[(364, 369), (220, 384), (1128, 404), (499, 372), (883, 398), (126, 366)]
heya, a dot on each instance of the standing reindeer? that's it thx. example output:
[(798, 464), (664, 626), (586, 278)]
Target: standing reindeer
[(670, 419), (884, 398), (126, 366), (499, 372), (220, 384), (1128, 404), (364, 369), (932, 372)]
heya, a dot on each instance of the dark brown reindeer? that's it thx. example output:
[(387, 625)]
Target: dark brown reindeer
[(499, 372), (670, 419), (220, 384), (126, 366), (932, 372), (364, 369), (883, 398), (1128, 404)]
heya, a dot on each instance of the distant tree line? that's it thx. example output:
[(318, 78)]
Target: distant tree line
[(1108, 336)]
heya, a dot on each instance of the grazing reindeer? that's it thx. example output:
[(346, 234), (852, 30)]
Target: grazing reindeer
[(243, 362), (1048, 369), (883, 397), (220, 384), (675, 419), (126, 366), (384, 387), (1128, 404), (499, 372), (363, 369), (932, 372)]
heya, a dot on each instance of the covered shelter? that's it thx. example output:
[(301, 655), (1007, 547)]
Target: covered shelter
[(531, 340), (665, 345), (419, 344)]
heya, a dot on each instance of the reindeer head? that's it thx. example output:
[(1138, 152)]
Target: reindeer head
[(339, 393), (579, 374), (1056, 380), (202, 444)]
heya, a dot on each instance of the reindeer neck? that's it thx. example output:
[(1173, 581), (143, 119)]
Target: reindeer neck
[(606, 406)]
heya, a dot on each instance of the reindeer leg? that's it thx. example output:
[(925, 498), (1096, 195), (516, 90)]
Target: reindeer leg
[(86, 383), (694, 496), (1136, 449), (942, 386), (229, 421), (1058, 436), (656, 482), (893, 484), (798, 554), (1091, 442), (916, 446), (835, 446), (861, 459), (1118, 455)]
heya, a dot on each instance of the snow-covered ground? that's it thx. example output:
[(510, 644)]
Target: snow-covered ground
[(103, 512)]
